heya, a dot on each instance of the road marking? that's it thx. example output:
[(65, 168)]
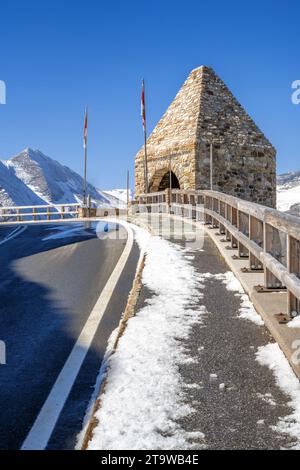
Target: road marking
[(17, 231), (40, 433)]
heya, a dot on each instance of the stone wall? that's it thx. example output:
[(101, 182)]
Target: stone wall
[(205, 111)]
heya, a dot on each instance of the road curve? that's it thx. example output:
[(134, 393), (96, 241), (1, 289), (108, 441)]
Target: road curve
[(50, 280)]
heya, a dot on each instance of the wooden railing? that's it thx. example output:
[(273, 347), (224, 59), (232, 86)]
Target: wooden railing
[(39, 212), (268, 238)]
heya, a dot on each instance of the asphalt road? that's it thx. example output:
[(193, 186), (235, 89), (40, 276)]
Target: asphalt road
[(50, 280)]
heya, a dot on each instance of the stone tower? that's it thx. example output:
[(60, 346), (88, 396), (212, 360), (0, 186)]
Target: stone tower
[(205, 111)]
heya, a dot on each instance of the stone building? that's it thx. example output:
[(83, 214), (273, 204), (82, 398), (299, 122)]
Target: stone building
[(204, 112)]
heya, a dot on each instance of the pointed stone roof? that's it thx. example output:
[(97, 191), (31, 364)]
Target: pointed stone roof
[(203, 109)]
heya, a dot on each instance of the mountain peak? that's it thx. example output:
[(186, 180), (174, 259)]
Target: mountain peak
[(48, 181), (28, 152)]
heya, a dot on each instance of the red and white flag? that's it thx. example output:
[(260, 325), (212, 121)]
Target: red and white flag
[(143, 110), (85, 128)]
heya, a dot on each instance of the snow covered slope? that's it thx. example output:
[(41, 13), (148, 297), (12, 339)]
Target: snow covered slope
[(33, 178), (119, 194), (288, 192), (13, 191)]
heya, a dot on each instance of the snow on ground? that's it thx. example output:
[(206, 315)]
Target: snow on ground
[(100, 229), (272, 357), (144, 395), (286, 197), (267, 398), (63, 231), (295, 323), (247, 310)]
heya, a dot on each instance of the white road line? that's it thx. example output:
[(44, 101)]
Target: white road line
[(40, 433), (17, 231)]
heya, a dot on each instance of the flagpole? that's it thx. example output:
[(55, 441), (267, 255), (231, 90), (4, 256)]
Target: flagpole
[(211, 164), (84, 179), (146, 160), (127, 190), (145, 137), (85, 157)]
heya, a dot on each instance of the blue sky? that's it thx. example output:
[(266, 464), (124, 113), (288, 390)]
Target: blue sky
[(56, 56)]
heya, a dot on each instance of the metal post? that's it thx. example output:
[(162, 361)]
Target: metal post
[(145, 162), (143, 109), (211, 166), (127, 190), (84, 177), (85, 156), (170, 182)]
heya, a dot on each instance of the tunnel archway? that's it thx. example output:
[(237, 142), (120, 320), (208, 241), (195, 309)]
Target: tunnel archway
[(161, 180), (165, 181)]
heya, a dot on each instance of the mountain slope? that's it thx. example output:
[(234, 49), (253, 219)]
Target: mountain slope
[(288, 192), (119, 194), (13, 191), (33, 178)]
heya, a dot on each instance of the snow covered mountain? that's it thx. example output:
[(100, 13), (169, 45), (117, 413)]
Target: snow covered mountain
[(13, 191), (120, 194), (33, 178), (288, 192)]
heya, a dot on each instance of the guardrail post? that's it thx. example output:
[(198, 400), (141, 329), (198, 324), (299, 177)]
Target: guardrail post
[(271, 282), (193, 208), (48, 213), (234, 222), (228, 217), (62, 212), (34, 213), (222, 211), (243, 226), (215, 208), (293, 266), (255, 234), (207, 218)]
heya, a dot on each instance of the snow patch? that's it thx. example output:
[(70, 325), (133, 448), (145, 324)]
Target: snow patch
[(144, 396), (120, 194), (272, 357), (295, 323), (287, 197), (267, 398)]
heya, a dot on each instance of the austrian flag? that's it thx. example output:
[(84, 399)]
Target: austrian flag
[(85, 128), (143, 111)]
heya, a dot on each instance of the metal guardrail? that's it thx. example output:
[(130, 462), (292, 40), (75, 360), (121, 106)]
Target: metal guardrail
[(39, 212), (268, 238)]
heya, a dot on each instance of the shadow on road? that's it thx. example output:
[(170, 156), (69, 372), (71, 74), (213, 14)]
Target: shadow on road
[(40, 322)]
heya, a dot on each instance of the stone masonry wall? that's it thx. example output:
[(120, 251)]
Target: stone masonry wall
[(205, 111), (244, 163)]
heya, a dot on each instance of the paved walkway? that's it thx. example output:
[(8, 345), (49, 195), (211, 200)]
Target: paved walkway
[(240, 415)]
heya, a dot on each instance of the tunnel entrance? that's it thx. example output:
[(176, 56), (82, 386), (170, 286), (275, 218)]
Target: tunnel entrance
[(165, 181)]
